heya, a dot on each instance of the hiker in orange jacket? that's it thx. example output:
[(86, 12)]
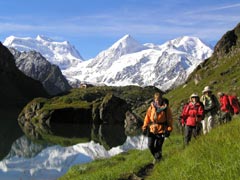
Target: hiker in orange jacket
[(192, 115), (158, 124)]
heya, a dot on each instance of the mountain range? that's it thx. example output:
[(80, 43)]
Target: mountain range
[(126, 62), (62, 54)]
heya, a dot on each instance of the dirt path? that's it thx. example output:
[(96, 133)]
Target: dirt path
[(141, 174)]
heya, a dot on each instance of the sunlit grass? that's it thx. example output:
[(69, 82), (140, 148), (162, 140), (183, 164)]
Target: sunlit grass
[(212, 156)]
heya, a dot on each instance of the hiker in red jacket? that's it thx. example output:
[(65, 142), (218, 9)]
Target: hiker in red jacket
[(234, 103), (192, 115), (225, 107)]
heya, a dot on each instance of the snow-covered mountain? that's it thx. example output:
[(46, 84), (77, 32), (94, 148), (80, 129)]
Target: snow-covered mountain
[(126, 62), (62, 54), (129, 62)]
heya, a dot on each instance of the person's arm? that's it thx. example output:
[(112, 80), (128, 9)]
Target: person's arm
[(147, 119), (169, 119)]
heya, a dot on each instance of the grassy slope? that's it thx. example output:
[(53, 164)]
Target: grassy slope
[(215, 156), (224, 76)]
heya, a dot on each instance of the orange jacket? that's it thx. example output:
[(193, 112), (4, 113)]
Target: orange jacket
[(158, 122)]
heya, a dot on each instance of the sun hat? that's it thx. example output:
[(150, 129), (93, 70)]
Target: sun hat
[(207, 89), (194, 95), (220, 94)]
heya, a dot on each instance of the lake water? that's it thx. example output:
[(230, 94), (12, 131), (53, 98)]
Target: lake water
[(23, 159)]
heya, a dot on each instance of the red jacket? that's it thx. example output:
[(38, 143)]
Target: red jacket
[(192, 113), (234, 103), (224, 103)]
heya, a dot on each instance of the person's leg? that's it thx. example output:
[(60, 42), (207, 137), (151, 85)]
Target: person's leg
[(228, 117), (204, 125), (210, 123), (188, 134), (151, 140), (158, 146), (195, 132)]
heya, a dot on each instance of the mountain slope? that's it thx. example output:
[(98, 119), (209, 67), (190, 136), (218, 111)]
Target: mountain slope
[(34, 65), (221, 71), (16, 88), (62, 54), (129, 62)]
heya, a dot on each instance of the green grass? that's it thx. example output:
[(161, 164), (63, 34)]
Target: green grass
[(212, 156), (119, 166)]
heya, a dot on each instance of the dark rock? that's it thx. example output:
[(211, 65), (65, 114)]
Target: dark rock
[(16, 88)]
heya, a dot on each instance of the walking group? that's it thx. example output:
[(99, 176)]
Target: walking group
[(201, 114), (198, 116)]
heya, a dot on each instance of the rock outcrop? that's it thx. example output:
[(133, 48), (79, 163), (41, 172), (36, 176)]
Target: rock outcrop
[(103, 114)]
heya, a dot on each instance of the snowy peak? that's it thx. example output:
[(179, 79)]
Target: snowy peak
[(186, 43), (43, 38), (127, 45), (62, 54), (128, 62)]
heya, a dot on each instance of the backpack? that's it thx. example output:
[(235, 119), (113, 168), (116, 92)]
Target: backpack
[(215, 102), (234, 104), (229, 106), (202, 105)]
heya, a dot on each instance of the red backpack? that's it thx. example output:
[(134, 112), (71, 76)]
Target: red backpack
[(234, 103)]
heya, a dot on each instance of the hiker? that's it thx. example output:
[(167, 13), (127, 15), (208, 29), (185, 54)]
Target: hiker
[(192, 116), (225, 108), (211, 108), (234, 103), (158, 124)]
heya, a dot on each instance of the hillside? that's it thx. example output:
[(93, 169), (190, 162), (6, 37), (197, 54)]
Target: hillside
[(210, 157), (213, 156), (221, 71)]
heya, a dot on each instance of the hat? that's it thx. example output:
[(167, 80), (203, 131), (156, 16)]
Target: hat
[(207, 89), (194, 95), (220, 94)]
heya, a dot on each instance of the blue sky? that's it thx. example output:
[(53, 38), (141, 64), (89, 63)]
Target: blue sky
[(94, 25)]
